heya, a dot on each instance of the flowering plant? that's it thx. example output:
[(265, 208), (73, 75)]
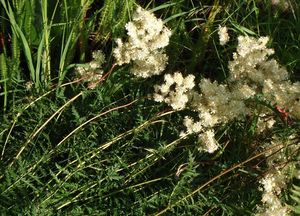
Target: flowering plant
[(209, 124), (252, 74)]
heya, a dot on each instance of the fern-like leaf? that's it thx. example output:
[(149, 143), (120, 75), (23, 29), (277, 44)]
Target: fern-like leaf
[(295, 195)]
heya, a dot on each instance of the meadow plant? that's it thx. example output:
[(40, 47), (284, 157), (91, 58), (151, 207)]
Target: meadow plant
[(257, 88), (252, 74)]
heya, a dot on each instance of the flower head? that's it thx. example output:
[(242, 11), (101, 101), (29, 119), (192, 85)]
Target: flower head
[(147, 36), (223, 35), (175, 90)]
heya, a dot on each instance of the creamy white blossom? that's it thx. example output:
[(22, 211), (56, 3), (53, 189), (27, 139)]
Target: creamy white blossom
[(284, 94), (217, 103), (264, 122), (281, 170), (223, 35), (250, 57), (192, 127), (272, 185), (209, 143), (175, 90), (92, 71), (251, 73), (147, 36)]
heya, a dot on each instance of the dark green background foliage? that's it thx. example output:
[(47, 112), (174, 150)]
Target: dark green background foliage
[(57, 160)]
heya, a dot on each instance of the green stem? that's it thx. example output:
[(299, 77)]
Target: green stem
[(46, 53)]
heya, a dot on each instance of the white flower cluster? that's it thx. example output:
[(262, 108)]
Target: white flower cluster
[(251, 65), (206, 137), (282, 171), (147, 36), (92, 72), (251, 73), (284, 94), (175, 90), (273, 183), (223, 35), (216, 104), (264, 122), (209, 141)]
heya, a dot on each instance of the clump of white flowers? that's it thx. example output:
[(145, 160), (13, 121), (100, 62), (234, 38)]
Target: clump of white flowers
[(209, 141), (92, 71), (215, 104), (250, 62), (251, 73), (264, 122), (272, 185), (206, 136), (223, 35), (147, 36), (281, 171), (252, 67), (175, 90), (218, 103), (284, 94)]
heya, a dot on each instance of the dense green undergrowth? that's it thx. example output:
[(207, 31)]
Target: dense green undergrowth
[(68, 149)]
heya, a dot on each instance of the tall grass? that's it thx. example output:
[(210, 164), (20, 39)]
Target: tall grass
[(69, 149)]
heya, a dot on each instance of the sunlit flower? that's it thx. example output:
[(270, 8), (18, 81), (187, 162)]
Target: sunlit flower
[(175, 90), (147, 36), (223, 35)]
